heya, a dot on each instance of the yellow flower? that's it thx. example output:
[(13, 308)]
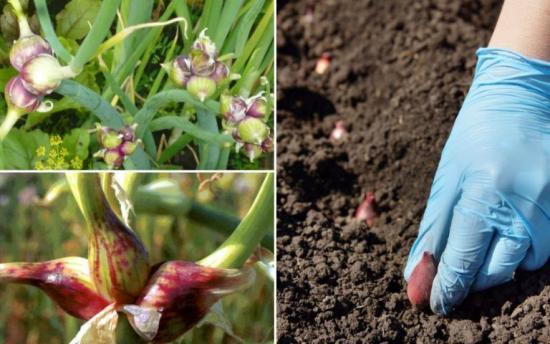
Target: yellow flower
[(56, 157), (76, 163), (39, 165), (41, 151), (55, 140)]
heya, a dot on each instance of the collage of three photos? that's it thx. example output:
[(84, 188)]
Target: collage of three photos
[(274, 171)]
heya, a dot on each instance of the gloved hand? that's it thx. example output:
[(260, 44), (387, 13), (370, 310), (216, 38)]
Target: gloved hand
[(489, 208)]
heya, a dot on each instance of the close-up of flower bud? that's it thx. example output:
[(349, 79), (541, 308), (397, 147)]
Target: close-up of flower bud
[(66, 281), (183, 292), (253, 130), (26, 48), (201, 87)]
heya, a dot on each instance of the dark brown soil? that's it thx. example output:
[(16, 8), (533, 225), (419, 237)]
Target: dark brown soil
[(399, 73)]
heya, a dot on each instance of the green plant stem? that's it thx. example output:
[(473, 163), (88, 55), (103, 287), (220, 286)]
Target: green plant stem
[(209, 152), (106, 185), (255, 225), (253, 41), (11, 118), (98, 32), (148, 200), (128, 66), (24, 28), (84, 187), (49, 31), (108, 115)]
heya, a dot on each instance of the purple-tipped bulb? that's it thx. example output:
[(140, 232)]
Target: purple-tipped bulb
[(179, 71), (233, 108), (258, 108), (27, 48), (18, 96)]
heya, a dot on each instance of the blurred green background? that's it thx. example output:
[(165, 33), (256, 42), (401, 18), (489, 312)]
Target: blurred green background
[(31, 231)]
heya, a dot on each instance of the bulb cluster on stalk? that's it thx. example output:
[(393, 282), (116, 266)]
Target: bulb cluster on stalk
[(199, 72), (246, 119), (33, 58), (117, 144)]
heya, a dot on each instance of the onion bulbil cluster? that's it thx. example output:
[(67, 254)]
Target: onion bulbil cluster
[(117, 144), (39, 74), (200, 72), (246, 120), (33, 58)]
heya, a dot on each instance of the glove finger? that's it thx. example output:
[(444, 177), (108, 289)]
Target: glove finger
[(507, 250), (469, 238), (434, 227)]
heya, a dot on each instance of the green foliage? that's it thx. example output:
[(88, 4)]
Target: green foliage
[(126, 84), (19, 149), (73, 22)]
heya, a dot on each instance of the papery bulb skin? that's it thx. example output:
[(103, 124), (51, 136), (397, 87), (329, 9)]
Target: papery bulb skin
[(66, 281), (367, 210), (202, 64), (253, 130), (18, 96), (102, 132), (220, 73), (183, 293), (128, 132), (114, 158), (111, 140), (419, 286), (233, 108), (201, 87), (27, 48), (42, 75), (252, 151), (117, 144), (267, 145), (179, 71), (128, 148), (235, 135), (205, 44), (258, 108)]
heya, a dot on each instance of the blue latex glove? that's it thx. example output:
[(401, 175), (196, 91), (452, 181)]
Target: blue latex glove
[(489, 207)]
